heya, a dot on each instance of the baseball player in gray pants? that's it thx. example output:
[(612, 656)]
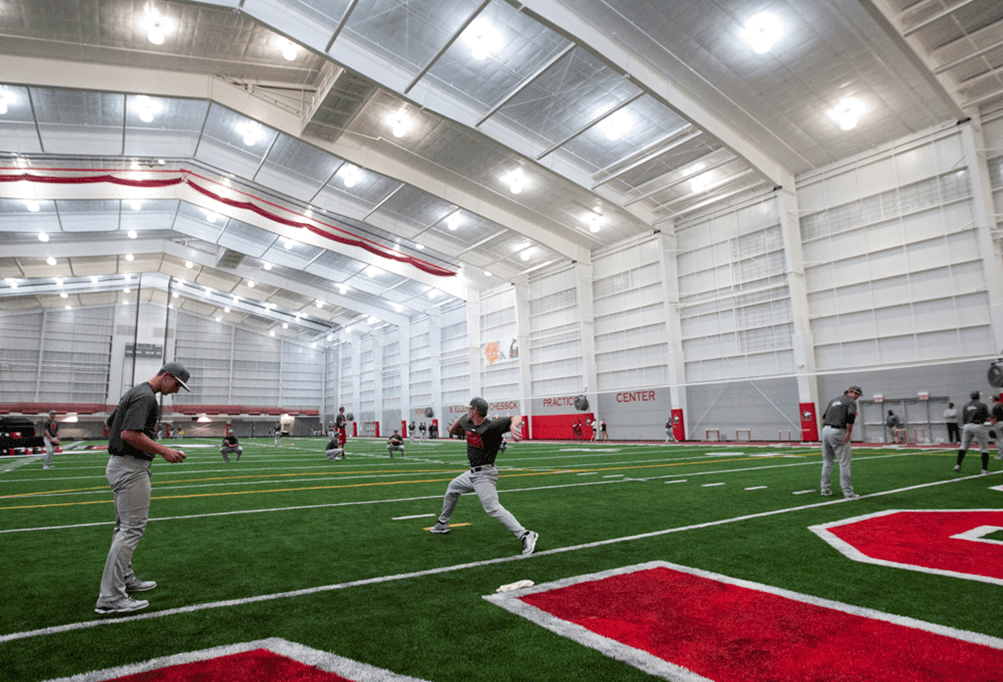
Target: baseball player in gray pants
[(131, 428), (837, 426)]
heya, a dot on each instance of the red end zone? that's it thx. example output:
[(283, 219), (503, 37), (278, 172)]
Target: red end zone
[(683, 624)]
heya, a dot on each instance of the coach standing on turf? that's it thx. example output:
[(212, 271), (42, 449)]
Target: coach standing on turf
[(484, 437), (837, 425), (132, 449)]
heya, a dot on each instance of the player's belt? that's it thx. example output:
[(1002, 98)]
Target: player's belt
[(482, 467)]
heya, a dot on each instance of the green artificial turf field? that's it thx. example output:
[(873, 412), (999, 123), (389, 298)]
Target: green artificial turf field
[(335, 555)]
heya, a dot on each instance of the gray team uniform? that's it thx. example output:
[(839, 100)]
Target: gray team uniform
[(840, 412), (50, 433), (482, 477), (974, 414), (395, 445), (128, 472)]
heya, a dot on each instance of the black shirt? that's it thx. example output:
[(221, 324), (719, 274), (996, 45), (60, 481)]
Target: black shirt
[(340, 422), (483, 441), (975, 412), (230, 441), (51, 429), (137, 411), (998, 412), (395, 440)]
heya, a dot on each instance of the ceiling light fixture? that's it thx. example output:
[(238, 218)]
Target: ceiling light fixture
[(226, 309), (95, 279), (131, 234), (847, 112), (595, 221), (50, 260), (372, 320), (174, 294), (68, 307), (516, 181), (454, 221), (698, 184), (135, 204), (129, 257), (147, 108), (616, 124), (482, 38), (285, 325), (32, 205), (64, 295), (289, 50), (420, 247), (343, 289), (271, 333), (127, 290), (250, 284), (189, 264), (4, 98), (350, 176), (268, 266), (320, 305), (156, 26), (400, 122), (211, 217), (251, 130), (219, 319), (762, 32), (43, 237)]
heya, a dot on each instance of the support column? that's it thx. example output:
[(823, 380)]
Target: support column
[(435, 353), (404, 365), (377, 337), (586, 328), (474, 341), (521, 285), (974, 146), (804, 342), (668, 273)]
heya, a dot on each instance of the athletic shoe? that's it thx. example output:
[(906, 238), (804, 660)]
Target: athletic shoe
[(125, 606), (957, 467), (999, 456), (48, 467), (529, 542), (140, 586), (826, 493), (985, 471), (439, 528), (850, 496)]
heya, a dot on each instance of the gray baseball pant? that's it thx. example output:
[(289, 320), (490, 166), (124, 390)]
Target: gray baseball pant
[(485, 483), (834, 449), (50, 450), (130, 481)]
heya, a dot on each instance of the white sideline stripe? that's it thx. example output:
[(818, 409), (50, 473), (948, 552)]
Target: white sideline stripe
[(711, 485), (757, 487), (614, 476), (590, 473), (805, 492), (678, 480), (413, 516), (448, 569)]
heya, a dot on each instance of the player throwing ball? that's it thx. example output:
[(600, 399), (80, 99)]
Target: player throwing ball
[(484, 438)]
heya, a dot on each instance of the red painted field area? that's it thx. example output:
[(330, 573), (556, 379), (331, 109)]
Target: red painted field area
[(730, 633)]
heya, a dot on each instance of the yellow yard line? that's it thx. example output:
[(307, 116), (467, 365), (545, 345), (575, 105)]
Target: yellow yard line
[(506, 474)]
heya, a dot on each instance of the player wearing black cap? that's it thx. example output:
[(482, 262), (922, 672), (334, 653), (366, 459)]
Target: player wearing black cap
[(131, 428), (974, 415), (837, 425), (484, 438)]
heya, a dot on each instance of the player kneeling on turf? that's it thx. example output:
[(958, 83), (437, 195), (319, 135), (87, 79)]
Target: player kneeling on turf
[(334, 450)]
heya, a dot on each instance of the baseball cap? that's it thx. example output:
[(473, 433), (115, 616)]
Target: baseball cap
[(480, 404), (974, 395), (178, 371), (857, 390)]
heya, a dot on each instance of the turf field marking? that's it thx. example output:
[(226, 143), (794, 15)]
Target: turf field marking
[(532, 473), (757, 487), (711, 485), (452, 525), (589, 473), (413, 516), (678, 480), (70, 627), (804, 492)]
